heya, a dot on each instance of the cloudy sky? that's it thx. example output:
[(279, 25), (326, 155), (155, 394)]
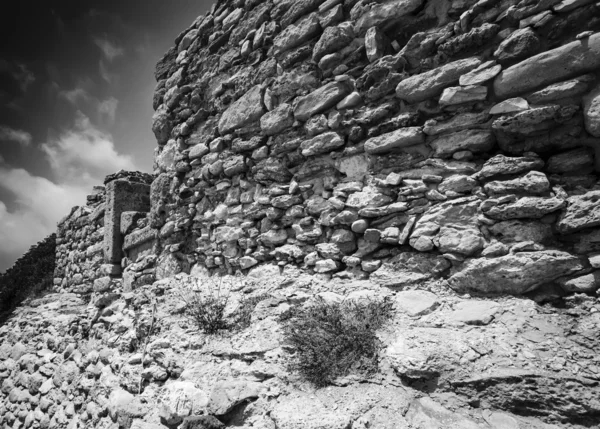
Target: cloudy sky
[(76, 84)]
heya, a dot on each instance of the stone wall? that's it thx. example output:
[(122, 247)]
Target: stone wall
[(92, 240), (402, 140), (79, 239)]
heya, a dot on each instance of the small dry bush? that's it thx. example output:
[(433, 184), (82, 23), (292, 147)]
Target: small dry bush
[(334, 339), (206, 308)]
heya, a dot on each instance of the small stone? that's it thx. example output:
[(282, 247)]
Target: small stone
[(511, 105), (277, 120), (584, 284), (401, 138), (320, 100), (323, 143), (481, 74), (374, 44), (352, 100), (360, 226), (326, 266), (429, 84), (520, 44), (416, 302), (463, 94), (370, 266)]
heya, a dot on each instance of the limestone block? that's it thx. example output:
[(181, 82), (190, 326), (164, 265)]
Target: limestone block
[(121, 196)]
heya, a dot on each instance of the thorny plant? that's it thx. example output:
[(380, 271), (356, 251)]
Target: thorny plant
[(333, 339)]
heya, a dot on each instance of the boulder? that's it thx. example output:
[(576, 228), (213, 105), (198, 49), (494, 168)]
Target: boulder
[(249, 108), (429, 84), (555, 65), (515, 274), (583, 211)]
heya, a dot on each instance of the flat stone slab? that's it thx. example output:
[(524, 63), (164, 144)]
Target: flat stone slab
[(474, 312), (426, 85), (416, 302), (549, 67)]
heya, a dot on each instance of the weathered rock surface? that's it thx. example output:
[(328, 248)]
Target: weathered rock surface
[(514, 274), (582, 212)]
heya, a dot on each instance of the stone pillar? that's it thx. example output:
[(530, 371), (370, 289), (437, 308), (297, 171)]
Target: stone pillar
[(121, 196)]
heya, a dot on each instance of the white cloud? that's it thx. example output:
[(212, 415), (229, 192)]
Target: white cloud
[(108, 109), (84, 153), (75, 95), (109, 49), (12, 135), (79, 158), (105, 109)]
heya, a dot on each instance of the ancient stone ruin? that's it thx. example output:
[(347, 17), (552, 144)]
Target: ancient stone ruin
[(439, 153)]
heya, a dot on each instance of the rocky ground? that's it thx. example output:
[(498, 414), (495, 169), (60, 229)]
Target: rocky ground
[(134, 360)]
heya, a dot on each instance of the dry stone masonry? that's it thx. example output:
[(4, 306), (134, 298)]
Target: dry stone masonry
[(355, 138), (438, 154)]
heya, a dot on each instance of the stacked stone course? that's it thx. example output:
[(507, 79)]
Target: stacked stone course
[(79, 252), (355, 138)]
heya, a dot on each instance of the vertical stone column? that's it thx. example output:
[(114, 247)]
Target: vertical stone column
[(121, 195)]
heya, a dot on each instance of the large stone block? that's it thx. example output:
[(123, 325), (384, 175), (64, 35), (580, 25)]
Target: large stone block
[(555, 65), (247, 109), (121, 196), (514, 274)]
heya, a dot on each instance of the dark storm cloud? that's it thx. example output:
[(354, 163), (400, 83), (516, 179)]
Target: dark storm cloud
[(76, 84)]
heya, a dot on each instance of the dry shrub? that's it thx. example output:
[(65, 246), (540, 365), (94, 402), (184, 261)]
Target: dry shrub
[(334, 339)]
